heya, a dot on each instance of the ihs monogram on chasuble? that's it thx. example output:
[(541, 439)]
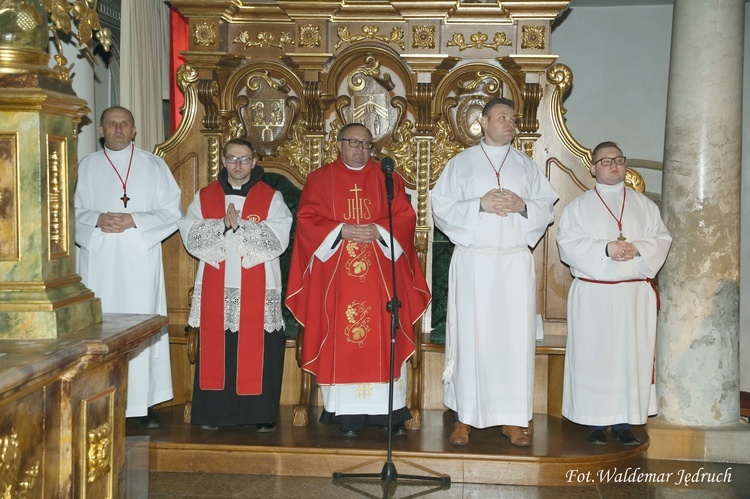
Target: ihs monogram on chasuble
[(358, 262)]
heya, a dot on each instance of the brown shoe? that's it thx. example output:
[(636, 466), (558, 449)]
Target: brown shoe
[(518, 436), (460, 434)]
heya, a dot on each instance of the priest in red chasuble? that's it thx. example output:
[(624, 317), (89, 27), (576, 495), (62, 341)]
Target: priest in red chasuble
[(340, 283)]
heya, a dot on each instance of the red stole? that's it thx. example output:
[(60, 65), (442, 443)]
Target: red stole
[(252, 302)]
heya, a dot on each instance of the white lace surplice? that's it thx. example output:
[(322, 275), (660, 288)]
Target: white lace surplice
[(253, 244)]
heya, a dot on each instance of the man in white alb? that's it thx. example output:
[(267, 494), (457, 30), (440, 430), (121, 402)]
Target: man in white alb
[(615, 242), (126, 203), (493, 202)]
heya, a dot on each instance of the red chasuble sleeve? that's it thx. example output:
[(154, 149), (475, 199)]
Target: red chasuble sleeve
[(342, 302)]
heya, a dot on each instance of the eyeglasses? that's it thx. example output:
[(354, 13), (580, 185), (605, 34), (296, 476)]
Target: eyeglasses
[(354, 143), (619, 160), (234, 159)]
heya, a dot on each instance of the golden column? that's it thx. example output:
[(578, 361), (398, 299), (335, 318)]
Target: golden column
[(41, 296)]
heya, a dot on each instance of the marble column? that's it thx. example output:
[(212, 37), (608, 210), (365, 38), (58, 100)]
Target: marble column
[(697, 375)]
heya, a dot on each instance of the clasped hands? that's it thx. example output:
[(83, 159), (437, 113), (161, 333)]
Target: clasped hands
[(621, 251), (232, 218), (360, 233), (501, 202), (115, 222)]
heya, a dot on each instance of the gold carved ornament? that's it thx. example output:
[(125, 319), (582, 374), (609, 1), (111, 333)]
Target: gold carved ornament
[(62, 14), (56, 188), (358, 78), (423, 37), (635, 181), (479, 41), (444, 147), (330, 147), (309, 36), (98, 453), (264, 39), (532, 37), (11, 485), (402, 150), (204, 34), (299, 151), (482, 78), (561, 76), (370, 33)]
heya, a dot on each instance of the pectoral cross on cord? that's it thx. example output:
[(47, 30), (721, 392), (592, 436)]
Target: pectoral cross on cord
[(124, 183), (619, 221), (496, 170)]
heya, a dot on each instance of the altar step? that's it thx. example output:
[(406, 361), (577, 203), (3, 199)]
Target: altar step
[(559, 454)]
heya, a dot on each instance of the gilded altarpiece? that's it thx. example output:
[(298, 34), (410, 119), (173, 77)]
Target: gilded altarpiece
[(287, 75)]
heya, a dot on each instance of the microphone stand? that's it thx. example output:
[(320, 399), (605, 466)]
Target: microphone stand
[(389, 474)]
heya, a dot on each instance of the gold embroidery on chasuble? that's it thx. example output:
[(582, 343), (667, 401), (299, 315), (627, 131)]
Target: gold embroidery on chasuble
[(364, 391), (358, 317), (358, 262)]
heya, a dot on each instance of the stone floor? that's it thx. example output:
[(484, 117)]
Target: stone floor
[(659, 479)]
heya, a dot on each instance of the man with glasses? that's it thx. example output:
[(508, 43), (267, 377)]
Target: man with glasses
[(615, 242), (237, 227), (126, 203), (493, 202), (340, 283)]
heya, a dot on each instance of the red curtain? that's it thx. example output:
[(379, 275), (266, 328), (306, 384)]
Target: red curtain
[(179, 42)]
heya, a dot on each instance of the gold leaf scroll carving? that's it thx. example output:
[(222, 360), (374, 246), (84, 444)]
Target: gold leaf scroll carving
[(370, 33), (479, 41), (264, 39)]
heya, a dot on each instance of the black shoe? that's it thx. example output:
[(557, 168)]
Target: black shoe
[(625, 437), (399, 430), (209, 427), (349, 433), (150, 420), (597, 437), (265, 427)]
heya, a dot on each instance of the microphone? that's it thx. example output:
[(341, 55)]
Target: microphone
[(387, 165)]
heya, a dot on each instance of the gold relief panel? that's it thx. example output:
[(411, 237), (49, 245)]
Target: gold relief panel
[(371, 104), (97, 445), (532, 37), (57, 188), (9, 200), (479, 41), (264, 39), (99, 452), (204, 34), (309, 36), (370, 32), (14, 481), (265, 113), (423, 37)]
